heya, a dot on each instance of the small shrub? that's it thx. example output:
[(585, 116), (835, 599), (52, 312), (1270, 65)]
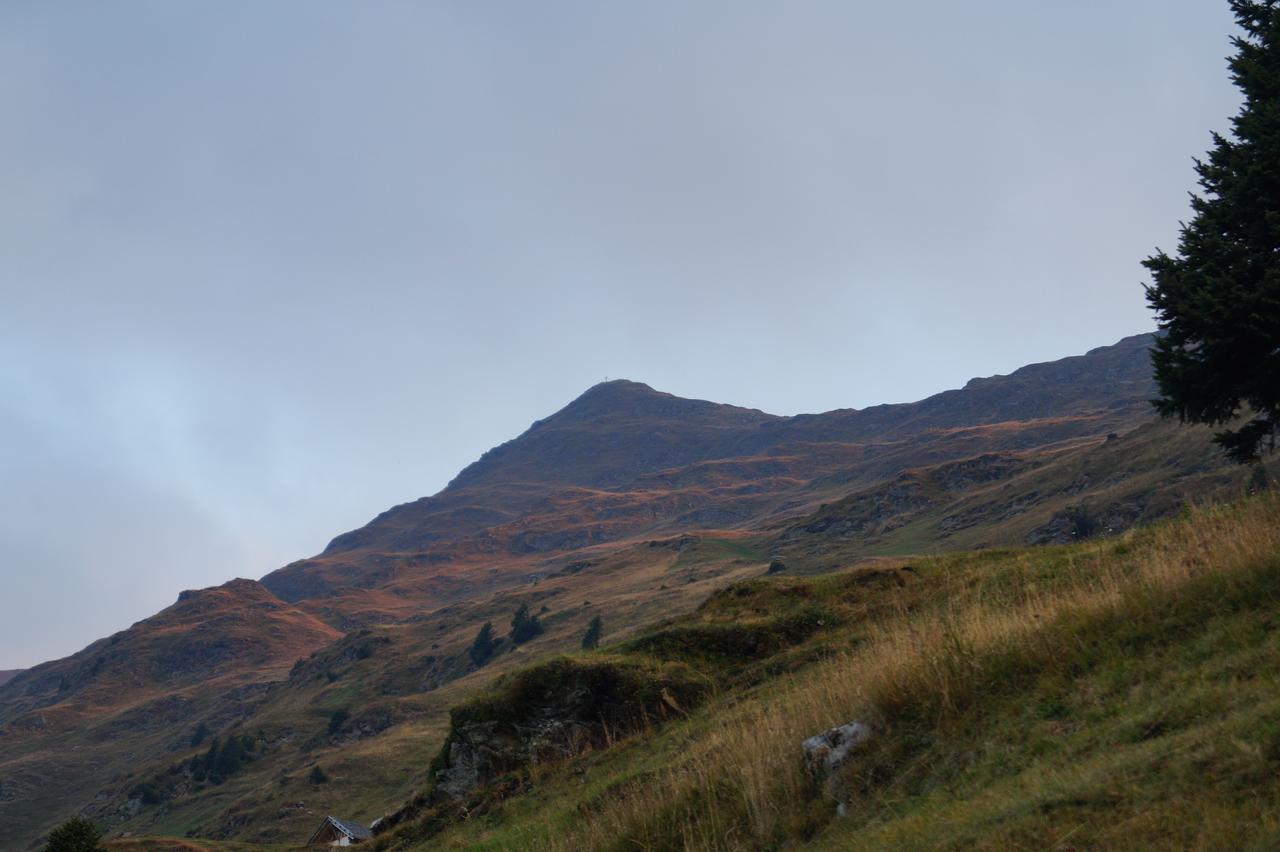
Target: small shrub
[(147, 792), (338, 719), (75, 835), (318, 776)]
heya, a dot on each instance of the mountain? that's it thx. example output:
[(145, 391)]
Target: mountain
[(630, 504), (8, 675), (67, 726), (624, 460)]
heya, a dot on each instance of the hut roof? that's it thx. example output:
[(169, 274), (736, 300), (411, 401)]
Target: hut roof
[(354, 830)]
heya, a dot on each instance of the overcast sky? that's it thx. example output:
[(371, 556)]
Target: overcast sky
[(267, 269)]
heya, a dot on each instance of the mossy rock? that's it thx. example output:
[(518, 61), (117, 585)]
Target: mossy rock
[(734, 641), (613, 690), (556, 709)]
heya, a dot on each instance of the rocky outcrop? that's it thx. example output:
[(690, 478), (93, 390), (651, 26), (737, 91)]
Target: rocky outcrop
[(546, 713), (1076, 523), (866, 514), (555, 710), (826, 753)]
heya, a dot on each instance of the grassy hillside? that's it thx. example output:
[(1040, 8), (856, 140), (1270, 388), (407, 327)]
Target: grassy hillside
[(619, 509), (393, 686), (397, 681), (1123, 693)]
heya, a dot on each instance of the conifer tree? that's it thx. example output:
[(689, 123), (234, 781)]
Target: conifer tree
[(591, 639), (200, 734), (481, 650), (1218, 300), (524, 625)]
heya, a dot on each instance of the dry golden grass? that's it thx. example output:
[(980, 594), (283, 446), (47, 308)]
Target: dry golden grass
[(741, 786)]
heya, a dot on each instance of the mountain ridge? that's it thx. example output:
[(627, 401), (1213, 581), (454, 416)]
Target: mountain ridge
[(616, 434)]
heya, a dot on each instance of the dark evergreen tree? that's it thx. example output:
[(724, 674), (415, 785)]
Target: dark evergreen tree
[(200, 734), (75, 835), (481, 650), (591, 639), (524, 625), (233, 755), (1218, 301), (205, 767)]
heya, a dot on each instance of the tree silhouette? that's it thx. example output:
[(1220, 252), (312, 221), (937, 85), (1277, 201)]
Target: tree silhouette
[(481, 650), (1218, 300), (591, 639), (524, 625)]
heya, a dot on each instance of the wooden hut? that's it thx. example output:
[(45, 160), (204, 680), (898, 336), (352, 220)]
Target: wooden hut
[(339, 832)]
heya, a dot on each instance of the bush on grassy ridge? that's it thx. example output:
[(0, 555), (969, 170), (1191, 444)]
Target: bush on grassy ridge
[(75, 835)]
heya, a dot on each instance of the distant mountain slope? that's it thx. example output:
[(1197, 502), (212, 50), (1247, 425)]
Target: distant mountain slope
[(628, 503), (1094, 488), (69, 725), (237, 631), (8, 675), (625, 460)]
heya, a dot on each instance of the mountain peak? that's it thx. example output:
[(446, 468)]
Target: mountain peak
[(617, 396), (625, 399), (620, 387)]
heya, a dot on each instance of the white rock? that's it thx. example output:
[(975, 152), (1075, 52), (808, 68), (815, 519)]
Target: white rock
[(826, 752)]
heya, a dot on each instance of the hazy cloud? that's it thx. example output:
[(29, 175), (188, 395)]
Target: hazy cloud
[(267, 269)]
